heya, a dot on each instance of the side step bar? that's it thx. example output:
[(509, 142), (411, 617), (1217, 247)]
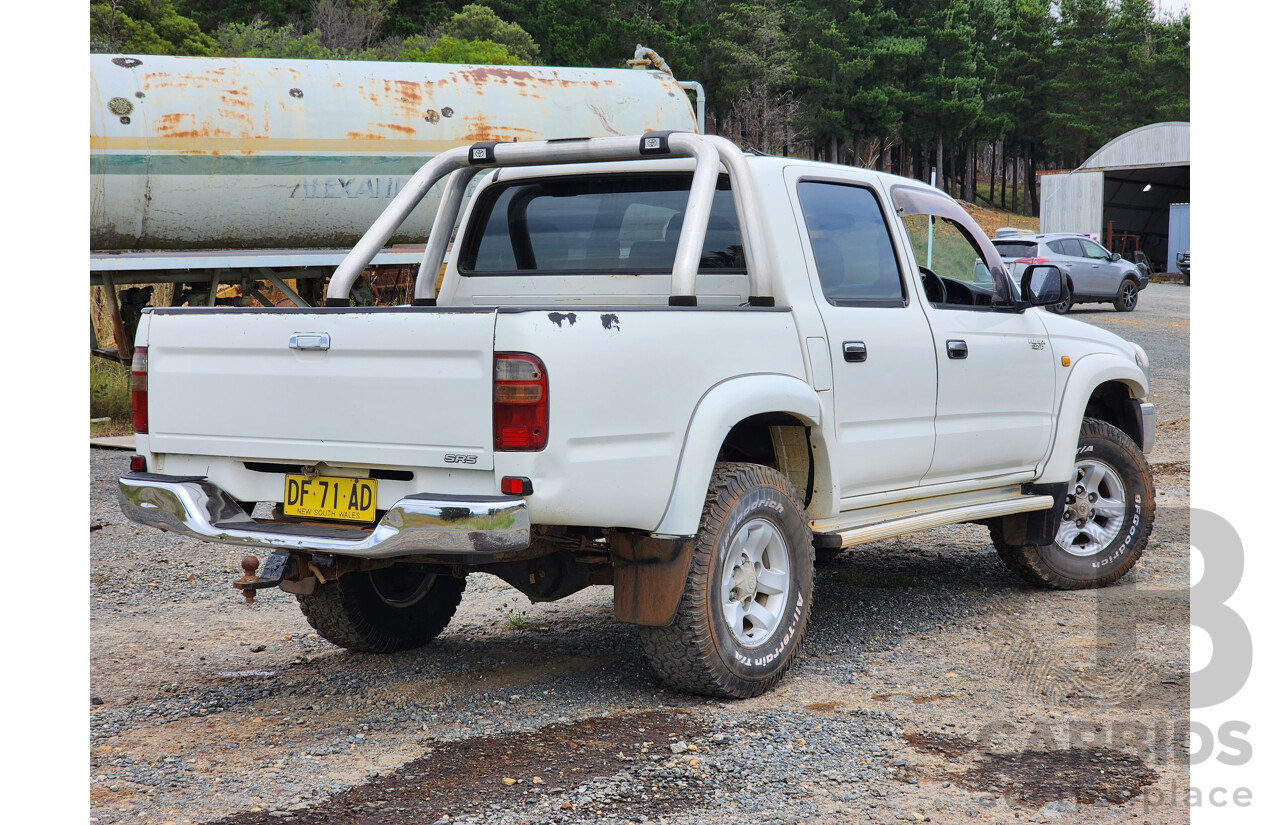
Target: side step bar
[(910, 523)]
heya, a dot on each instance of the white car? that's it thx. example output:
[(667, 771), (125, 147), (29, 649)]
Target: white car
[(655, 363)]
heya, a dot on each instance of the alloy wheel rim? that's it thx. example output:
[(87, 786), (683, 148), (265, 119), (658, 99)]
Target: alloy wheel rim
[(755, 582), (1094, 514), (1130, 295)]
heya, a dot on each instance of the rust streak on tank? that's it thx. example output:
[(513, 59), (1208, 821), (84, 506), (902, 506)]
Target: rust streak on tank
[(397, 127), (479, 128), (365, 136), (172, 120), (408, 91), (481, 75)]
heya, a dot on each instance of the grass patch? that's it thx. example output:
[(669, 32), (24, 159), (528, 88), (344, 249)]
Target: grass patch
[(518, 619), (111, 429), (109, 397), (857, 579), (992, 219)]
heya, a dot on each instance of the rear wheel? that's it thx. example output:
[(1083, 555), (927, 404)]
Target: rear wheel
[(382, 611), (746, 600), (1106, 522), (1062, 306), (1127, 297)]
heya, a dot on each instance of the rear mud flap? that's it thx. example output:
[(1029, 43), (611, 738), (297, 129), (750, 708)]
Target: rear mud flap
[(648, 577)]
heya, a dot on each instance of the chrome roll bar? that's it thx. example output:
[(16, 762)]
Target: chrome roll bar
[(462, 163)]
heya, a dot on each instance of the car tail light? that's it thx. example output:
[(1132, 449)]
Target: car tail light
[(138, 385), (1031, 261), (137, 464), (520, 407), (516, 486)]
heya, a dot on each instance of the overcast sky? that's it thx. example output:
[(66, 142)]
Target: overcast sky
[(1174, 6)]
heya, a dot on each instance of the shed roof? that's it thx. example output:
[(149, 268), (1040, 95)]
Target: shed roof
[(1158, 144)]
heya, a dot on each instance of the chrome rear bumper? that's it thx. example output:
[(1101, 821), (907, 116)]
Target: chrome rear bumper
[(455, 528)]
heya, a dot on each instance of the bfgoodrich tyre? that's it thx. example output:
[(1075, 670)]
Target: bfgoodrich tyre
[(383, 611), (1106, 522), (746, 600)]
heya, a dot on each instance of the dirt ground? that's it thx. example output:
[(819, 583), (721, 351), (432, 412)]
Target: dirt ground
[(933, 686)]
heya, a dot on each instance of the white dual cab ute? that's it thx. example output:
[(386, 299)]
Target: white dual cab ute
[(654, 362)]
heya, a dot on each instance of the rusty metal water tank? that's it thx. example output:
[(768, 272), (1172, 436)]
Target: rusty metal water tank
[(217, 153)]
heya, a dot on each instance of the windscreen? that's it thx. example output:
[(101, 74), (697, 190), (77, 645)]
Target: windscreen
[(596, 224)]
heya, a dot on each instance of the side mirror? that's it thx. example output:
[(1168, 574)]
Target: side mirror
[(1042, 285), (1113, 257)]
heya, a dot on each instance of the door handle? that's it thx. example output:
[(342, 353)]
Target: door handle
[(855, 351), (957, 349), (309, 341)]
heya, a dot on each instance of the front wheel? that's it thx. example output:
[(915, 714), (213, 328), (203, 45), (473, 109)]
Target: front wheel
[(1104, 527), (383, 611), (746, 600), (1127, 297)]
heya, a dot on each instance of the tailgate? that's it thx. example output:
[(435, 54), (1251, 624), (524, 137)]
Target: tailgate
[(397, 386)]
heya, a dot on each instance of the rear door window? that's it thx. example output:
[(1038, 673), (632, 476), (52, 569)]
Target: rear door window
[(595, 224), (1068, 246), (851, 247)]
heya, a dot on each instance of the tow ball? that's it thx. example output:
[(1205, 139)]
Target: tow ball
[(273, 571), (248, 583)]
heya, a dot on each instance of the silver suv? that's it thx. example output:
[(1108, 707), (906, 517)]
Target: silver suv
[(1092, 274)]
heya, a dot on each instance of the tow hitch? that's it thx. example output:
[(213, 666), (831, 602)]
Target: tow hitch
[(276, 568)]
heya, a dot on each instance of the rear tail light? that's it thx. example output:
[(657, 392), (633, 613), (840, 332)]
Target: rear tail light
[(520, 407), (1031, 261), (137, 464), (138, 385), (516, 486)]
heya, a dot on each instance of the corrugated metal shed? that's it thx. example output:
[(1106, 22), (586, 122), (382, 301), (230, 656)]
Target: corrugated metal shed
[(1071, 202), (1122, 193), (1160, 144)]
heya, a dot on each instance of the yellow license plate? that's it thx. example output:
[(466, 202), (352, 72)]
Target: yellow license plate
[(343, 499)]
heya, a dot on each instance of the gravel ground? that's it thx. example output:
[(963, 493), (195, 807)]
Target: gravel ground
[(932, 686)]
